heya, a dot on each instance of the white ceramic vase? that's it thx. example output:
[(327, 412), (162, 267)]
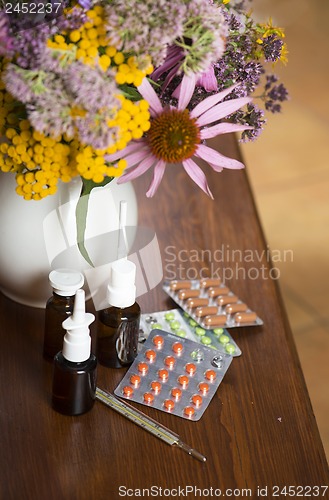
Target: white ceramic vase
[(37, 236)]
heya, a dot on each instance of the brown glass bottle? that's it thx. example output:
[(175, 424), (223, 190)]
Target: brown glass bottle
[(74, 378), (74, 385), (58, 308), (117, 335), (65, 283)]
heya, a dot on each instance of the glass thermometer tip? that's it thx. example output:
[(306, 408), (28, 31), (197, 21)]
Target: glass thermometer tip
[(146, 422), (191, 451)]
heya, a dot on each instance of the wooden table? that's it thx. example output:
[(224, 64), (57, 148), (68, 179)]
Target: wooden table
[(259, 430)]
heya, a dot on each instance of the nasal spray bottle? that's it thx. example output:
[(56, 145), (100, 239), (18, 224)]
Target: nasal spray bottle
[(74, 381), (118, 324), (65, 283)]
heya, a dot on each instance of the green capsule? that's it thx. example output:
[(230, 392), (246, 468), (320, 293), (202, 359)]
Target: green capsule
[(180, 333), (193, 323), (175, 325), (169, 316), (206, 340), (218, 331), (199, 331), (230, 348), (156, 326), (224, 339)]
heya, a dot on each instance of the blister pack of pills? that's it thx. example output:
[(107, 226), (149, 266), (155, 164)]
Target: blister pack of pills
[(181, 324), (175, 375), (211, 304)]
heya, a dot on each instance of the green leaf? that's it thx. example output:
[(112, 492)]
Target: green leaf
[(82, 211), (130, 93)]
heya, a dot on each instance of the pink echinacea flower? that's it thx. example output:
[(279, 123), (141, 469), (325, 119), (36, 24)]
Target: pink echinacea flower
[(177, 135)]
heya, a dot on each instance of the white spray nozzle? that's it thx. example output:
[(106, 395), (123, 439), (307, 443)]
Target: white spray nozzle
[(121, 291), (79, 308), (77, 341)]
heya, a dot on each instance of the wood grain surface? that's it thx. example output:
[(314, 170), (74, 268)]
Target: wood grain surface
[(258, 431)]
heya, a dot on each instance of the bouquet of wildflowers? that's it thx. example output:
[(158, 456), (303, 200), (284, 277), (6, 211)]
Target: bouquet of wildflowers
[(113, 88)]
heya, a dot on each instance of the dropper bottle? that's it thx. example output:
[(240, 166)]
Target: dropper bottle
[(118, 324), (74, 380), (65, 283)]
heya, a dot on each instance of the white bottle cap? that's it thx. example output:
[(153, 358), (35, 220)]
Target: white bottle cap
[(77, 341), (66, 282), (121, 291)]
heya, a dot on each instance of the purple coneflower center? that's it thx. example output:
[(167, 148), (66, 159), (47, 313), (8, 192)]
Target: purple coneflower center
[(173, 136)]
